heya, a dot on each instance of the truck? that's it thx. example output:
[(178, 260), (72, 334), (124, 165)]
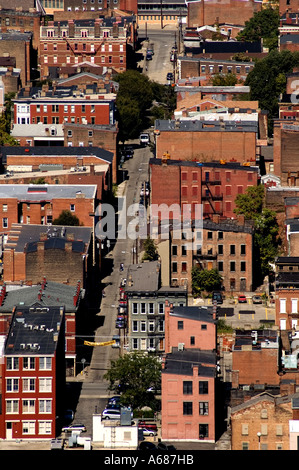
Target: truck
[(144, 139)]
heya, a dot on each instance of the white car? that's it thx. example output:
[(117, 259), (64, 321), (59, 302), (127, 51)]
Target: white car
[(144, 139), (74, 427), (149, 432)]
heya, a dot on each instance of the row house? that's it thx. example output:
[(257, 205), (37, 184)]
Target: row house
[(63, 255), (101, 41), (189, 375), (225, 245), (286, 292), (146, 299), (33, 374), (42, 204), (46, 294), (57, 7), (215, 185), (204, 140), (285, 138)]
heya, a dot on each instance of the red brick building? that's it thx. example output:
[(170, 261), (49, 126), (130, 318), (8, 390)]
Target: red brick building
[(199, 140), (41, 204), (215, 185), (33, 374), (101, 41), (287, 293), (285, 151), (211, 12), (189, 375), (60, 254)]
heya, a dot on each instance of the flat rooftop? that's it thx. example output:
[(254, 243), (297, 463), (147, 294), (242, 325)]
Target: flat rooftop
[(143, 277), (46, 192)]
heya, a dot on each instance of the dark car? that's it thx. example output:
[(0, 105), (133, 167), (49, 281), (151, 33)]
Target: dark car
[(147, 445), (165, 447), (115, 400), (148, 56), (169, 76), (217, 297)]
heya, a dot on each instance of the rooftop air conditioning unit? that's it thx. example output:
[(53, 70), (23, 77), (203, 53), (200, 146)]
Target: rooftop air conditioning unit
[(181, 346)]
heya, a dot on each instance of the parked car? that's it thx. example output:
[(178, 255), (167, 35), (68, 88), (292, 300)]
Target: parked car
[(147, 445), (74, 427), (169, 76), (257, 299), (114, 400), (165, 447), (116, 338), (147, 425), (148, 56), (111, 413), (149, 432), (150, 50), (217, 297), (69, 415), (242, 299)]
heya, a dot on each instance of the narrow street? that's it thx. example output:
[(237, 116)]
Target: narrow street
[(93, 389)]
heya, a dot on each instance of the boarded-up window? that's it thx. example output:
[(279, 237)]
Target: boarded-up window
[(244, 429)]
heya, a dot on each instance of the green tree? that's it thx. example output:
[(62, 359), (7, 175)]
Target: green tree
[(263, 25), (267, 80), (266, 238), (66, 218), (250, 203), (228, 79), (205, 280), (150, 249), (132, 375)]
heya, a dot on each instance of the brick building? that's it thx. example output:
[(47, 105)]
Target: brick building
[(207, 141), (285, 151), (59, 165), (191, 86), (189, 375), (88, 6), (41, 204), (215, 185), (250, 350), (33, 374), (102, 41), (211, 12), (60, 254), (286, 292), (266, 422), (44, 295), (18, 45), (225, 245)]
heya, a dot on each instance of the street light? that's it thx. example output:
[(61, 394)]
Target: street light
[(259, 438)]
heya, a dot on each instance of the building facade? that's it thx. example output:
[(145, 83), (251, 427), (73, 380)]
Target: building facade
[(33, 374)]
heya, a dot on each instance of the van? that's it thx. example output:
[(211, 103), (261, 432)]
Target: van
[(111, 413), (144, 139)]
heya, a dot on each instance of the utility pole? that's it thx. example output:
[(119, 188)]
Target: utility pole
[(161, 14)]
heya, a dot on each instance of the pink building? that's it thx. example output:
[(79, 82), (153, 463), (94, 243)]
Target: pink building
[(189, 374)]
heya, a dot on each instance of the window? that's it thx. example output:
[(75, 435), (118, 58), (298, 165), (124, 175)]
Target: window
[(143, 307), (174, 250), (210, 236), (187, 387), (232, 249), (220, 235), (134, 307), (143, 326), (12, 406), (28, 427), (45, 363), (29, 363), (203, 408), (203, 387), (44, 427), (45, 384), (161, 307), (243, 266), (12, 363), (232, 266), (203, 430), (282, 303), (55, 108), (28, 385), (45, 406), (151, 308), (220, 249), (5, 222), (243, 249), (28, 406), (180, 325), (184, 250), (12, 385), (220, 265), (192, 340), (72, 207), (187, 408), (69, 133), (184, 267)]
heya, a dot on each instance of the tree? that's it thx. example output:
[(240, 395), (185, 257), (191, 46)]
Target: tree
[(228, 79), (67, 218), (204, 279), (250, 203), (150, 248), (263, 25), (132, 375), (267, 80), (266, 238)]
